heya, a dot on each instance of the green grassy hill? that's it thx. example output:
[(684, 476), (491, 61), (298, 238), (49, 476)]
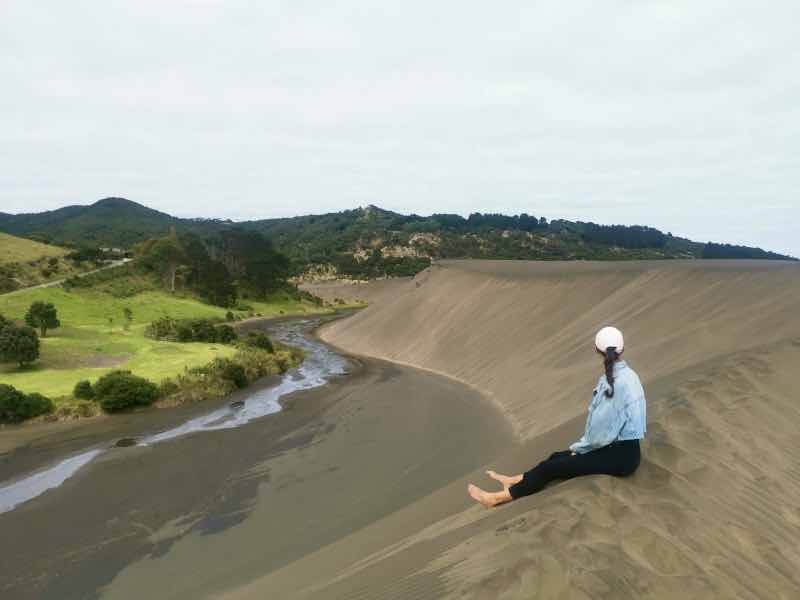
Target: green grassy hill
[(15, 249), (25, 262)]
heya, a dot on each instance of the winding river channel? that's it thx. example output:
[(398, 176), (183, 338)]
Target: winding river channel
[(321, 363)]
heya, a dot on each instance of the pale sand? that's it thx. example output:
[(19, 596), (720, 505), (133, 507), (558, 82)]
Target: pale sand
[(523, 332), (714, 510), (355, 492)]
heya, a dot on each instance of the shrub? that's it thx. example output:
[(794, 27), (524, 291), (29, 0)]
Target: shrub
[(18, 344), (38, 405), (234, 372), (190, 330), (259, 339), (120, 390), (83, 390), (226, 334), (76, 410), (229, 316), (16, 406), (167, 387), (162, 329), (197, 330), (184, 332), (7, 284)]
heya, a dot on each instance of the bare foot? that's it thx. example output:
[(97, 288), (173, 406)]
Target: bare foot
[(504, 480), (484, 498)]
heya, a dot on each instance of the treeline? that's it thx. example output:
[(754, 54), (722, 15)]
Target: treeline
[(711, 250), (220, 269), (473, 223), (624, 236)]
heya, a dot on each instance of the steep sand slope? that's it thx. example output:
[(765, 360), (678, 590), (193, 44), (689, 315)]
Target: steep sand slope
[(714, 510), (522, 332)]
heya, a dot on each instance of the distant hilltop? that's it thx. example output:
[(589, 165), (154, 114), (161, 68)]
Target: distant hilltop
[(371, 242)]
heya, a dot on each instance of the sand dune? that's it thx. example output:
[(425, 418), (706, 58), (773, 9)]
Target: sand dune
[(522, 332), (714, 511)]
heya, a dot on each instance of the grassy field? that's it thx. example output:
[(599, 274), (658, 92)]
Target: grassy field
[(24, 263), (15, 249), (87, 344)]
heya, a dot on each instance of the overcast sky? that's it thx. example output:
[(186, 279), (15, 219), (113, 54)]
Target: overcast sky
[(680, 115)]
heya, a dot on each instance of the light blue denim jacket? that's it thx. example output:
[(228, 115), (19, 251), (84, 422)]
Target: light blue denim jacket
[(621, 417)]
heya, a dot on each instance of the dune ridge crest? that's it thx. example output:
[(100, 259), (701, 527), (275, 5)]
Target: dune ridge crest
[(522, 332)]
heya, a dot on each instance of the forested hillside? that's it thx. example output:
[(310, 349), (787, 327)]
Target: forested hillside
[(371, 242), (111, 222)]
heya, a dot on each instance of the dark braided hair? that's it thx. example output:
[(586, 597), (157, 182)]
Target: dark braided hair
[(609, 358)]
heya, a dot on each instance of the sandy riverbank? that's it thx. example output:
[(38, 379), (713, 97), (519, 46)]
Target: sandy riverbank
[(196, 515)]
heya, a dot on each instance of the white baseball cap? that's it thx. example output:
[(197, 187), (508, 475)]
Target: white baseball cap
[(609, 337)]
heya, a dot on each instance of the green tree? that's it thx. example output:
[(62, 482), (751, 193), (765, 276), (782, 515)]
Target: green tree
[(168, 255), (250, 258), (19, 345), (214, 283), (42, 316)]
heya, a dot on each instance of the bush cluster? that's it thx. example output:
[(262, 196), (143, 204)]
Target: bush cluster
[(191, 330), (16, 406), (121, 390), (259, 339), (224, 375), (83, 390), (234, 372)]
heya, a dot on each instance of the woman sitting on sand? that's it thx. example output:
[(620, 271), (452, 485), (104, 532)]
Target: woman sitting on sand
[(610, 443)]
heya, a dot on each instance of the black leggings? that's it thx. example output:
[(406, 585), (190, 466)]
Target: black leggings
[(618, 458)]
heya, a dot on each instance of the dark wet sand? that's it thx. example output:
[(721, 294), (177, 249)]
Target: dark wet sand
[(208, 512)]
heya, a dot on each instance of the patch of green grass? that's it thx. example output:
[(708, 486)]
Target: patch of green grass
[(15, 249), (87, 346), (25, 263)]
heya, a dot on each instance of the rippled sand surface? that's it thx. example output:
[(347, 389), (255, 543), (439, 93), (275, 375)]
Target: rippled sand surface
[(714, 510)]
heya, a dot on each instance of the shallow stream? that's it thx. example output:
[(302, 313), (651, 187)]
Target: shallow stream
[(320, 364)]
